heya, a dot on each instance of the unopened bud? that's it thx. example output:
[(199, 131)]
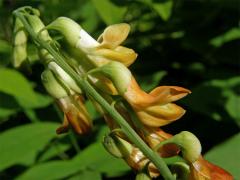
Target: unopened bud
[(38, 27), (189, 144), (73, 33), (64, 76), (117, 146), (20, 44), (53, 87)]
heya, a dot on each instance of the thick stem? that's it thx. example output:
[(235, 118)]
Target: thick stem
[(89, 90)]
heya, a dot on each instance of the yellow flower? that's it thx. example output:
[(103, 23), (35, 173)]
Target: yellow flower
[(109, 47), (156, 108), (100, 52)]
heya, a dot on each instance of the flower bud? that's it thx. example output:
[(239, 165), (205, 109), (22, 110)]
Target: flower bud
[(64, 76), (38, 27), (72, 32), (118, 74), (20, 44), (117, 146), (189, 144), (53, 87)]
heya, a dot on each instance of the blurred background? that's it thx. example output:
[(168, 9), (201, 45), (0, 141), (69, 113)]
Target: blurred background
[(189, 43)]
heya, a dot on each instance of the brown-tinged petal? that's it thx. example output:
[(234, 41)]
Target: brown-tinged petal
[(114, 35), (76, 115), (160, 95), (169, 94), (160, 115), (204, 170), (64, 127), (153, 136)]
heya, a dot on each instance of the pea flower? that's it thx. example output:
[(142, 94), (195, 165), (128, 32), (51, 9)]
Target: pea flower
[(154, 109), (100, 52)]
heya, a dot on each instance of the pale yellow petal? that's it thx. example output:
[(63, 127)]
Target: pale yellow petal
[(156, 116), (114, 35)]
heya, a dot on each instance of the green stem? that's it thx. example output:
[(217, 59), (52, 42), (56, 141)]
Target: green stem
[(88, 89)]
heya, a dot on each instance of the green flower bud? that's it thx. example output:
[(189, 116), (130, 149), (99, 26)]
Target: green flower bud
[(118, 74), (143, 176), (53, 87), (73, 33), (38, 27), (190, 145), (20, 44), (117, 146), (65, 77)]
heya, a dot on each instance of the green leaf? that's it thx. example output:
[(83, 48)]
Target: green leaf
[(164, 8), (50, 170), (15, 84), (94, 114), (86, 175), (8, 106), (89, 158), (54, 150), (228, 36), (227, 155), (90, 17), (109, 12), (21, 145), (233, 107), (5, 47)]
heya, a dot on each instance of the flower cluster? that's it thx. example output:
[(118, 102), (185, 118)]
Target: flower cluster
[(104, 63)]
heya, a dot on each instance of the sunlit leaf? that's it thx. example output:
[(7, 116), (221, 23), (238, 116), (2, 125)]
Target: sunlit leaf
[(86, 175), (89, 158), (15, 84), (55, 149), (21, 145)]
